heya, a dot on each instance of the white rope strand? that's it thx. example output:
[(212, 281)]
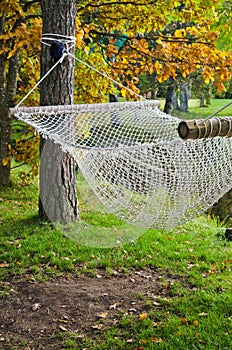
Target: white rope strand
[(215, 113), (39, 82), (64, 39)]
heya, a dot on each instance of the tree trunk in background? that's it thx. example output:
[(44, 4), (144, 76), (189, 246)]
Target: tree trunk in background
[(8, 82), (58, 199), (202, 98), (223, 208), (154, 94), (169, 96), (175, 101), (183, 97)]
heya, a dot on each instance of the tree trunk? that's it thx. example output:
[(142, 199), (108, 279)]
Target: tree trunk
[(223, 208), (58, 199), (7, 92), (154, 93), (175, 101), (4, 118), (202, 99), (183, 97), (169, 97)]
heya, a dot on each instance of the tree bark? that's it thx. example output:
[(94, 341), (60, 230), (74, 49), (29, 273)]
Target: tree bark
[(175, 101), (223, 209), (7, 91), (202, 99), (183, 97), (58, 199), (169, 97)]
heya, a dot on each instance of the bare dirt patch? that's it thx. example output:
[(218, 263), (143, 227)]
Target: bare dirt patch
[(35, 313)]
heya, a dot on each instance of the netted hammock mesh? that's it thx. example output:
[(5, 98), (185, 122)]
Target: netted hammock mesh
[(135, 162)]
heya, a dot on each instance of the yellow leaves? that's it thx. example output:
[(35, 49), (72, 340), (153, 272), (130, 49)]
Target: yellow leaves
[(124, 93), (158, 66), (143, 316), (186, 322), (79, 38), (19, 31), (179, 33), (6, 161), (162, 78), (87, 50), (143, 43)]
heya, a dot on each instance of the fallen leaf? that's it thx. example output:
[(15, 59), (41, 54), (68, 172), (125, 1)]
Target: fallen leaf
[(102, 315), (81, 336), (114, 306), (62, 328), (98, 326), (195, 322), (130, 341), (201, 341), (132, 310), (62, 321), (168, 237), (184, 321), (156, 340), (203, 314), (5, 264), (143, 316), (35, 307)]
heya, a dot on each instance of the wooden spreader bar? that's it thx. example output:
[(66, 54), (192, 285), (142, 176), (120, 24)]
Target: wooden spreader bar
[(86, 107), (202, 129)]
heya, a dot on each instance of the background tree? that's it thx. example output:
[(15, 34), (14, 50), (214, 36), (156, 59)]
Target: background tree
[(180, 42), (57, 172), (18, 22)]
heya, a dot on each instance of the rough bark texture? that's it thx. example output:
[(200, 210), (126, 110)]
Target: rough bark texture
[(58, 200), (223, 209), (184, 97), (175, 102), (7, 91), (169, 97)]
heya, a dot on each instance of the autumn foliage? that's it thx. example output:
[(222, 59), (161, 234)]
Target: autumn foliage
[(170, 39), (124, 40)]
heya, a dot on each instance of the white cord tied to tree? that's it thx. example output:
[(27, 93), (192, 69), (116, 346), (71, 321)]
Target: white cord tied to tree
[(134, 160)]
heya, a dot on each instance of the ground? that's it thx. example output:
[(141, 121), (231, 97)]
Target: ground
[(35, 312)]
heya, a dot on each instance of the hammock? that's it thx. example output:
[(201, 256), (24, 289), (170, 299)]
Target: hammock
[(135, 161), (138, 161)]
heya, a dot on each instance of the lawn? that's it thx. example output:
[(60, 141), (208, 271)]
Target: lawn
[(196, 112), (169, 289)]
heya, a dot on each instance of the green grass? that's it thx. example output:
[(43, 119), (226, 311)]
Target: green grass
[(196, 112), (196, 314)]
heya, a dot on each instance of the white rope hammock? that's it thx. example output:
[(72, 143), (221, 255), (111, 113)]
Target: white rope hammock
[(135, 161)]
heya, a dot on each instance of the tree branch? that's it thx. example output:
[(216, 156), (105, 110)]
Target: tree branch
[(116, 3)]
